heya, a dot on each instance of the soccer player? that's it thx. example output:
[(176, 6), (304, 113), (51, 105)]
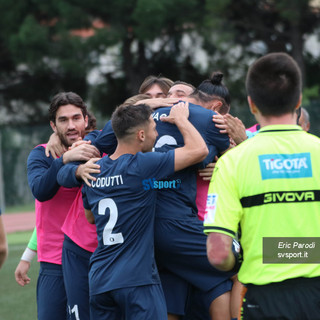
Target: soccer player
[(123, 276), (68, 118), (179, 240), (269, 185), (176, 208), (77, 246)]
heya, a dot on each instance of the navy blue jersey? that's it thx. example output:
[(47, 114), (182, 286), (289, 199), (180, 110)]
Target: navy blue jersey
[(106, 141), (42, 174), (200, 117), (178, 192), (179, 202), (124, 215)]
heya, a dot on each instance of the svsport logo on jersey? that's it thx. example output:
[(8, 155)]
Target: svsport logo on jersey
[(285, 166), (161, 184)]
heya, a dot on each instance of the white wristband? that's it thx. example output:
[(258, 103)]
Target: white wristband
[(28, 255)]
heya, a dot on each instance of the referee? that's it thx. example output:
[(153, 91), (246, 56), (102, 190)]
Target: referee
[(267, 190)]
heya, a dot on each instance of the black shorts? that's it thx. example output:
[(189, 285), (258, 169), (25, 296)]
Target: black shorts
[(292, 299)]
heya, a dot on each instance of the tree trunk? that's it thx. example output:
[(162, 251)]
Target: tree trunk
[(297, 48), (135, 73)]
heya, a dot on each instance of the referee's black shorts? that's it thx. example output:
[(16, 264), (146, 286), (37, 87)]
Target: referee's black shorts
[(292, 299)]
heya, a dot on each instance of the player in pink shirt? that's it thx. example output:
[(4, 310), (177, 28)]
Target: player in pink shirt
[(68, 119)]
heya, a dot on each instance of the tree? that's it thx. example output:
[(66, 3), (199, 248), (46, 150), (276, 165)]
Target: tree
[(51, 46), (39, 57), (282, 25)]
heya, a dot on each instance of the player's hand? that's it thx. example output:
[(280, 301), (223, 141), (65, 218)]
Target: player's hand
[(21, 273), (82, 152), (235, 128), (178, 112), (78, 143), (55, 147), (220, 123), (85, 170), (206, 173)]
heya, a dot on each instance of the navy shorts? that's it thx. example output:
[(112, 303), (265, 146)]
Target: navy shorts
[(180, 247), (185, 300), (176, 291), (51, 293), (75, 265), (142, 302)]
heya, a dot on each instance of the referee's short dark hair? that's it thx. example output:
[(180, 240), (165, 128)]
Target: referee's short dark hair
[(126, 118), (274, 84)]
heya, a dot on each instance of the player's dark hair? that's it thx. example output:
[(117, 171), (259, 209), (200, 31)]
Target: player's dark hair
[(274, 84), (92, 122), (164, 83), (63, 99), (127, 117), (202, 97), (214, 86)]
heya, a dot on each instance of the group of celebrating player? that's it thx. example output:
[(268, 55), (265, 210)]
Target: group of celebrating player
[(109, 248)]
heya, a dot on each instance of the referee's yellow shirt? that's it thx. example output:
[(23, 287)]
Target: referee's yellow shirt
[(270, 186)]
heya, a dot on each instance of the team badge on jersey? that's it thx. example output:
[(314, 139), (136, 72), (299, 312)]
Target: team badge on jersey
[(285, 166), (210, 207)]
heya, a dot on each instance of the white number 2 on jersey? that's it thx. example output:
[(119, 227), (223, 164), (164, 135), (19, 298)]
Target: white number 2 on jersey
[(110, 238)]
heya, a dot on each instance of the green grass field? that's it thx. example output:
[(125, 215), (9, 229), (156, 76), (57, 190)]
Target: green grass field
[(17, 303), (22, 208)]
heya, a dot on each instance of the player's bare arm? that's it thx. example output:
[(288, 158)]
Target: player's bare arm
[(219, 251), (158, 102), (195, 148)]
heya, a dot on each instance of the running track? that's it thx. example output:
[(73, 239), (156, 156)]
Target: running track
[(15, 222)]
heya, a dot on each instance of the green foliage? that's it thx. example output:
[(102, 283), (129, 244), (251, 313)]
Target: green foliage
[(30, 44), (310, 93), (291, 9), (43, 46), (149, 18)]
